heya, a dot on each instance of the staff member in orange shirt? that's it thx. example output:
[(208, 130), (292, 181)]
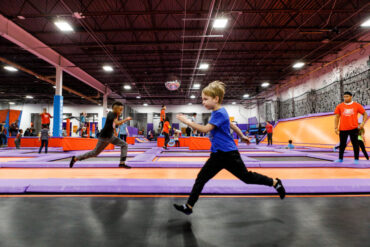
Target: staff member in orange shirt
[(45, 118), (347, 113), (162, 116), (166, 132)]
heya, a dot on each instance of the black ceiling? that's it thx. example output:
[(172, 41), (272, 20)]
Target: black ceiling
[(144, 42)]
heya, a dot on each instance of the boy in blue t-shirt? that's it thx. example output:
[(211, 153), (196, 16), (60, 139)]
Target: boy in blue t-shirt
[(224, 152)]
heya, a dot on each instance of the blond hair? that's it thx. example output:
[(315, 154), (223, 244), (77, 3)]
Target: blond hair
[(215, 88)]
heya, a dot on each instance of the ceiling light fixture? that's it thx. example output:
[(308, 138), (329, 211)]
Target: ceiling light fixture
[(220, 23), (366, 23), (265, 84), (10, 68), (298, 65), (63, 26), (108, 68), (204, 66), (127, 87)]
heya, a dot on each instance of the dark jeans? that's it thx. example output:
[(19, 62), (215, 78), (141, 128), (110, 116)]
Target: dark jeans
[(123, 137), (44, 143), (269, 138), (17, 143), (362, 146), (166, 139), (343, 135), (230, 161), (3, 139)]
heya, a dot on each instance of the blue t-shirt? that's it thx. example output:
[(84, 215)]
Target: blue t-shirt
[(122, 129), (220, 136), (290, 146)]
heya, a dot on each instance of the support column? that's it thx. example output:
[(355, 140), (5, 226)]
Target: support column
[(105, 108), (58, 104)]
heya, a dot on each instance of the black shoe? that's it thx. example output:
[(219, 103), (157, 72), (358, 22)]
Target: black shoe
[(279, 187), (183, 208), (73, 161), (124, 166)]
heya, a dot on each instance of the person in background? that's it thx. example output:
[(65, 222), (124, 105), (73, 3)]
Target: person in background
[(13, 128), (45, 117), (347, 112), (361, 142), (290, 145), (269, 130), (82, 122), (194, 120), (188, 131), (44, 138), (162, 117), (166, 132), (84, 132), (17, 140), (176, 135), (3, 132), (27, 132), (123, 131)]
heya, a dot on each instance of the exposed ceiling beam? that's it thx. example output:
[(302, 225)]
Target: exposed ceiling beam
[(188, 12), (22, 38)]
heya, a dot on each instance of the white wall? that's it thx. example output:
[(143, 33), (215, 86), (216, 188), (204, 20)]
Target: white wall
[(27, 109), (240, 114)]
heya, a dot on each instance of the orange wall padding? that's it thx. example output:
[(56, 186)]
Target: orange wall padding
[(13, 116), (68, 143), (34, 142), (310, 131), (130, 140), (73, 143), (3, 114), (184, 142), (201, 143)]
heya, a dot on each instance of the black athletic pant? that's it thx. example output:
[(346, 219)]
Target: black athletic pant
[(362, 146), (230, 161), (343, 135), (166, 139), (161, 125), (269, 138), (177, 143), (44, 143)]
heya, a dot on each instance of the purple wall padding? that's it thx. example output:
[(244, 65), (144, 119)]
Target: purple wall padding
[(132, 131), (242, 126), (149, 127), (175, 126)]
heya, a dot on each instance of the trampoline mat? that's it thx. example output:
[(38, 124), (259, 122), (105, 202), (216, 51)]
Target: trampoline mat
[(287, 158), (118, 152), (181, 159), (258, 152), (49, 152), (7, 159), (181, 153), (92, 159)]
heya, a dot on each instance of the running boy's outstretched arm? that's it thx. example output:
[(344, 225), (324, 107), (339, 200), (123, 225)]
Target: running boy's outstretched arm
[(239, 133), (198, 127), (119, 122)]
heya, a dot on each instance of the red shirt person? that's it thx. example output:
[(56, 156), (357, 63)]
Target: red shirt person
[(269, 130), (162, 116), (45, 118), (346, 124)]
